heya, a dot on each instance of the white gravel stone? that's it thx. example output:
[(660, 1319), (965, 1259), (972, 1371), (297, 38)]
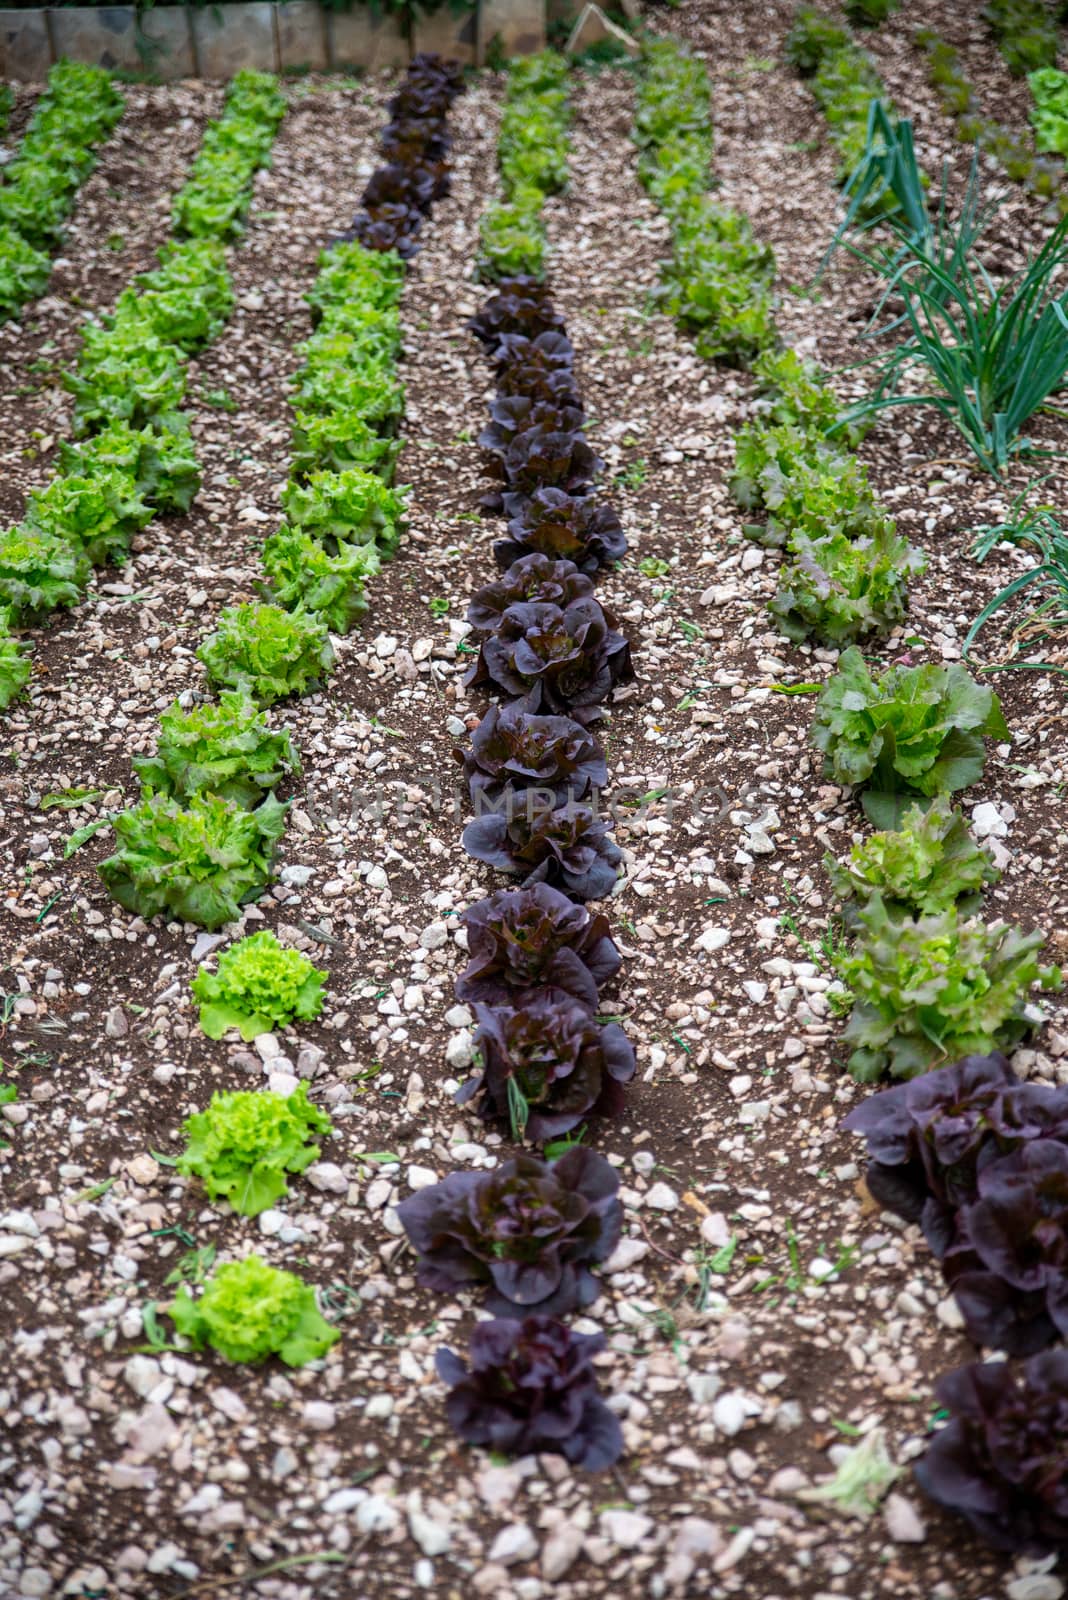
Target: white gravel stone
[(903, 1522), (712, 939), (662, 1198), (626, 1529), (732, 1411), (327, 1178), (513, 1544), (560, 1550), (434, 936), (421, 1177), (433, 1538)]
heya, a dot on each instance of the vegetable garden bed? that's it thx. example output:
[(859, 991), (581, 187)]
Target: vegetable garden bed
[(766, 1322)]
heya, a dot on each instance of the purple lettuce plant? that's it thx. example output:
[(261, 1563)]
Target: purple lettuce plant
[(533, 579), (520, 938), (521, 305), (529, 1231), (513, 749), (563, 526), (930, 1137), (558, 660), (567, 846), (1001, 1461), (531, 1388), (513, 414), (1009, 1269), (546, 1064), (545, 456)]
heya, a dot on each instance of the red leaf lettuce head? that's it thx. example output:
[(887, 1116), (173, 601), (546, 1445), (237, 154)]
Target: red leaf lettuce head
[(929, 1138), (520, 938), (547, 1057), (1001, 1460), (533, 578), (528, 1230), (521, 305), (558, 659), (563, 526), (1009, 1267), (531, 1388), (567, 846), (513, 749)]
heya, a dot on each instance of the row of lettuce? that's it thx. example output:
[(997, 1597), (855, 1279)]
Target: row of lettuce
[(132, 455), (201, 842), (979, 1157), (77, 110), (529, 1232)]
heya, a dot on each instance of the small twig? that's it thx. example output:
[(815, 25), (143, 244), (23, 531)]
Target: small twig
[(654, 1246)]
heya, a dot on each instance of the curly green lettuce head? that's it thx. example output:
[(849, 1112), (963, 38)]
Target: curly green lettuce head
[(928, 864), (259, 985), (250, 1310), (228, 749), (245, 1143), (911, 730), (267, 652), (303, 573), (14, 665), (838, 589)]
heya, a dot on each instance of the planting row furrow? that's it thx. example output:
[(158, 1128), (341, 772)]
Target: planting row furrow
[(133, 453), (77, 110), (201, 842)]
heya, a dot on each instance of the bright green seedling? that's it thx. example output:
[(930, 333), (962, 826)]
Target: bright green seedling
[(38, 572), (911, 731), (201, 861), (355, 506), (267, 652), (228, 749), (14, 665), (937, 989), (839, 589), (303, 574), (260, 985), (249, 1311), (245, 1144), (927, 865)]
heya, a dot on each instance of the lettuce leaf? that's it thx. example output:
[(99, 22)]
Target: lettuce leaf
[(244, 1144), (250, 1310), (259, 985)]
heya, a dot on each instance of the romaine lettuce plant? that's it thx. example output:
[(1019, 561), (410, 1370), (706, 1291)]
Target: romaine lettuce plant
[(244, 1145), (227, 749), (936, 989), (260, 985), (912, 730), (930, 1137), (546, 1064), (839, 589), (531, 1389), (567, 846), (560, 661), (303, 575), (96, 515), (930, 863), (521, 938), (528, 1231), (201, 861), (511, 749), (999, 1460), (1008, 1267), (38, 572), (249, 1311), (267, 652)]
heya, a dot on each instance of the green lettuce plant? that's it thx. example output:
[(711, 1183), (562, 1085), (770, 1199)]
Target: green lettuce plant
[(805, 487), (355, 506), (97, 515), (937, 989), (1049, 114), (245, 1144), (226, 749), (260, 985), (124, 376), (839, 589), (352, 337), (929, 864), (338, 441), (14, 666), (267, 652), (38, 572), (512, 237), (24, 271), (249, 1311), (368, 391), (350, 274), (159, 457), (303, 574), (910, 731), (200, 861), (1026, 34)]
